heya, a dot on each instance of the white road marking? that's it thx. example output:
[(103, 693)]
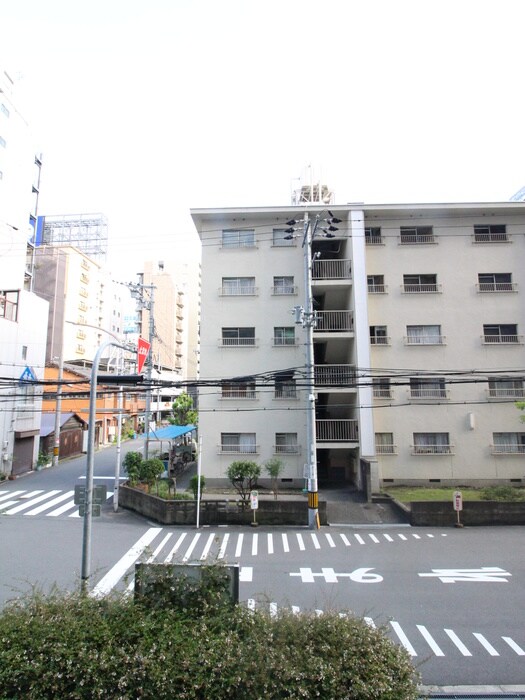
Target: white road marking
[(207, 547), (32, 502), (224, 544), (403, 638), (457, 641), (67, 506), (255, 543), (286, 546), (246, 574), (250, 604), (485, 643), (330, 540), (6, 504), (515, 647), (401, 537), (50, 504), (192, 546), (370, 622), (32, 494), (329, 575), (114, 575), (175, 548), (374, 539), (359, 539), (300, 541), (9, 494), (430, 640), (315, 540), (270, 543), (238, 549), (273, 609), (387, 537), (345, 540)]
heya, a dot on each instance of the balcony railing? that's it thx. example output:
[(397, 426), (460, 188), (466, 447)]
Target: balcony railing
[(516, 448), (416, 238), (331, 430), (425, 340), (287, 449), (380, 392), (237, 342), (334, 321), (377, 288), (331, 270), (490, 238), (502, 339), (386, 449), (379, 340), (497, 287), (281, 341), (421, 288), (374, 239), (238, 291), (286, 392), (238, 449), (516, 393), (428, 393), (238, 394), (284, 290), (444, 449), (334, 375)]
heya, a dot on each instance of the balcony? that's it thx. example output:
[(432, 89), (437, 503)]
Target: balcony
[(516, 448), (428, 394), (380, 392), (443, 449), (337, 376), (283, 341), (239, 394), (386, 449), (238, 291), (331, 270), (287, 449), (421, 288), (237, 449), (502, 339), (379, 340), (377, 289), (237, 342), (284, 290), (334, 322), (497, 287), (510, 393), (332, 430)]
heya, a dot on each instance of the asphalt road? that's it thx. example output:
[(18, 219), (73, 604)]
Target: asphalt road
[(452, 597)]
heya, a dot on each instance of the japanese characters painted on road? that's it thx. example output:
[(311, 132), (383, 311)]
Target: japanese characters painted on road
[(142, 353), (254, 500)]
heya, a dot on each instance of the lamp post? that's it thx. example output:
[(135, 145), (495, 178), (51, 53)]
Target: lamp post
[(306, 316)]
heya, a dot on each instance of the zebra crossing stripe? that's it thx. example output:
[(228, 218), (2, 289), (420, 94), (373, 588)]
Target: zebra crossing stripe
[(24, 506), (63, 509), (330, 540), (50, 504), (403, 638), (315, 540), (207, 546), (191, 547), (457, 641), (255, 544), (515, 647), (300, 541), (175, 548), (402, 537), (238, 549), (388, 538), (114, 575), (270, 543), (224, 544), (246, 574), (32, 494), (369, 621), (9, 494), (345, 540), (6, 504), (485, 643), (286, 546), (359, 539), (374, 539), (430, 640)]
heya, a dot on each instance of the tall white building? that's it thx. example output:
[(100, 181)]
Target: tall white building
[(418, 341), (23, 316)]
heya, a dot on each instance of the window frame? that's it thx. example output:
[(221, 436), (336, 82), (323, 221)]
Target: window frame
[(237, 238), (238, 333), (431, 443), (9, 304), (416, 235), (234, 443)]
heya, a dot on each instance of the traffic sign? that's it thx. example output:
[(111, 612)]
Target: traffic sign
[(458, 500), (142, 353), (254, 500)]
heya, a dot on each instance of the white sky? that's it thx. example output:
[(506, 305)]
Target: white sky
[(143, 109)]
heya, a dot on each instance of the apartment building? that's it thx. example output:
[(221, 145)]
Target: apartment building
[(418, 341)]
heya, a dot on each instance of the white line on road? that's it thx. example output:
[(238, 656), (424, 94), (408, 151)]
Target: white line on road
[(387, 537), (31, 494), (430, 640), (286, 546), (401, 537), (329, 575), (52, 503), (457, 641), (9, 494), (32, 502), (255, 543), (315, 540), (369, 621), (374, 539), (485, 643), (114, 575), (206, 549), (191, 547), (359, 539), (403, 638), (300, 541), (238, 549), (246, 574), (175, 548), (345, 540), (270, 543), (67, 506), (158, 549), (6, 504), (515, 647), (224, 544), (330, 540)]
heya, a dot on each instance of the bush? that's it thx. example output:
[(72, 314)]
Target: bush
[(502, 493), (131, 464), (243, 476), (194, 482), (68, 646), (150, 470)]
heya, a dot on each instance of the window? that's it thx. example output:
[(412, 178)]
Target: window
[(373, 236), (500, 388), (424, 335), (500, 333), (9, 305), (378, 335), (283, 285), (495, 282), (284, 335), (242, 389), (238, 337), (279, 238), (285, 386), (236, 238), (416, 235), (286, 443), (238, 286), (431, 444), (381, 388), (376, 284), (385, 443), (427, 388), (420, 284), (238, 443), (509, 443), (492, 233)]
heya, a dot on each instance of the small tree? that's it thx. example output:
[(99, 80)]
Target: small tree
[(183, 411), (194, 483), (150, 470), (131, 463), (274, 466), (243, 476)]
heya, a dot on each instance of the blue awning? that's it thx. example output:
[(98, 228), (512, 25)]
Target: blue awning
[(170, 432)]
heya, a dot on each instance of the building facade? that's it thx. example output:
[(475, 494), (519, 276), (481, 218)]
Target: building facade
[(418, 341)]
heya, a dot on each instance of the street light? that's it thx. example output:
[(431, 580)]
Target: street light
[(307, 318)]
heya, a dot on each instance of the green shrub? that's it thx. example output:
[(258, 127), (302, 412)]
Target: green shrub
[(502, 493), (194, 483), (150, 470), (68, 646), (243, 475), (131, 464)]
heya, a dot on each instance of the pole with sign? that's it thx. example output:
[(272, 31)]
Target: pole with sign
[(254, 504), (458, 506)]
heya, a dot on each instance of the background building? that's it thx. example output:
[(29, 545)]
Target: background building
[(418, 342)]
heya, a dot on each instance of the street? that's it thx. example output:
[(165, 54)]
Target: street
[(452, 597)]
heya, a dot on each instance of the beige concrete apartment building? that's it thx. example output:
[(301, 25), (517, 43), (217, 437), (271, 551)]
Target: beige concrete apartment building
[(418, 341)]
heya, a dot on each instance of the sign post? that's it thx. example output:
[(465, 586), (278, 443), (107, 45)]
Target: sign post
[(254, 504), (458, 506)]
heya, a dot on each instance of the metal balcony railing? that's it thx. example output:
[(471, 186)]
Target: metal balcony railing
[(287, 449), (374, 239), (331, 270), (238, 291), (334, 375), (237, 449), (386, 449), (334, 430), (511, 393), (502, 339), (238, 394), (421, 288), (490, 238), (284, 290), (516, 448), (416, 238), (237, 342), (379, 340), (436, 393), (443, 449), (382, 392), (497, 287), (334, 321), (377, 288)]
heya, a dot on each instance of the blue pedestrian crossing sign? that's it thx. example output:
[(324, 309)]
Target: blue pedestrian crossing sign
[(28, 375)]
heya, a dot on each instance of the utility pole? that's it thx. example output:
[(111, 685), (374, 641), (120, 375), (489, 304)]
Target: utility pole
[(306, 316)]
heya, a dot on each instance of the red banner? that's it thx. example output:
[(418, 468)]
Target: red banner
[(142, 353)]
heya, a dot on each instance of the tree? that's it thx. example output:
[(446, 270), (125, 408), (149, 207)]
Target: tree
[(274, 466), (150, 470), (243, 476), (183, 411), (131, 463), (194, 484)]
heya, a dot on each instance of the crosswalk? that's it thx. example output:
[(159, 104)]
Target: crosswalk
[(51, 503), (418, 640)]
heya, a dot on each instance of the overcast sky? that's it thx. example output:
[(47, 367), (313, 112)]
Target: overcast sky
[(143, 109)]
